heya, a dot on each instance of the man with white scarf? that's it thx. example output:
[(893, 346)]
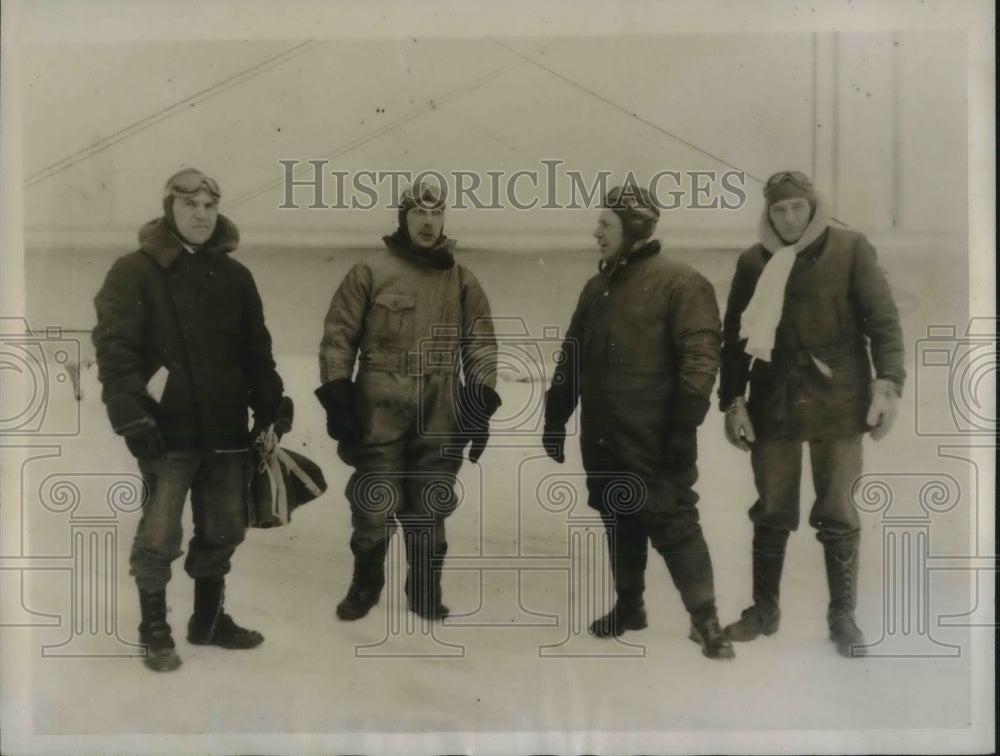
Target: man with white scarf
[(809, 315)]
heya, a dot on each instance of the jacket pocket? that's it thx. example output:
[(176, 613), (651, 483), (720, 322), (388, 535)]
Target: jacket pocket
[(392, 318)]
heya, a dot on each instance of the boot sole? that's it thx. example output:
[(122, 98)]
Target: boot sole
[(844, 649), (432, 615), (622, 629), (162, 663), (724, 652), (230, 645), (726, 631), (349, 616)]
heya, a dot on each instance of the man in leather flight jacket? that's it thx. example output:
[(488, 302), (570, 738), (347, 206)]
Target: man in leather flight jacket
[(645, 338)]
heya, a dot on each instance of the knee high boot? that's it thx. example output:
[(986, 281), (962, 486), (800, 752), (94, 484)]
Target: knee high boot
[(423, 575), (768, 559), (627, 552), (690, 568), (210, 625), (366, 583), (154, 632), (841, 558)]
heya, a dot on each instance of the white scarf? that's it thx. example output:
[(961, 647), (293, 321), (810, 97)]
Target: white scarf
[(760, 319)]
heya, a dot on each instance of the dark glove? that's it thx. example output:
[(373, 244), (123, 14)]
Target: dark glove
[(560, 402), (554, 441), (281, 418), (130, 419), (685, 413), (477, 404), (340, 400), (284, 416)]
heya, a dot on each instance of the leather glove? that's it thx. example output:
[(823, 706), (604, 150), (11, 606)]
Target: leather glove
[(477, 404), (129, 418), (280, 419), (685, 413), (883, 409), (340, 400), (560, 402), (739, 429), (554, 441), (284, 416)]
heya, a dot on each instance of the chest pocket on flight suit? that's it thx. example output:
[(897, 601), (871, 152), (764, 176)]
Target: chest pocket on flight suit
[(392, 320)]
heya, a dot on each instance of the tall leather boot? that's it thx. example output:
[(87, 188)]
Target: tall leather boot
[(627, 552), (842, 577), (690, 568), (210, 625), (154, 632), (423, 575), (768, 559), (366, 583)]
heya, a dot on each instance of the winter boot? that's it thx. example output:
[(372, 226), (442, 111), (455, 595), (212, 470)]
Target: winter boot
[(423, 576), (768, 558), (842, 578), (690, 568), (629, 613), (210, 626), (627, 553), (705, 630), (154, 632), (367, 583)]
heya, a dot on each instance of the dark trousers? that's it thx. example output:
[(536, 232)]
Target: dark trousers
[(777, 468), (663, 512), (217, 482), (401, 476)]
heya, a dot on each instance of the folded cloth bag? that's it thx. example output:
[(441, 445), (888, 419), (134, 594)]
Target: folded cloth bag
[(281, 481)]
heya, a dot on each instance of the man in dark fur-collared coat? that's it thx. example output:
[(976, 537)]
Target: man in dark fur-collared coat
[(183, 353), (645, 340), (809, 316)]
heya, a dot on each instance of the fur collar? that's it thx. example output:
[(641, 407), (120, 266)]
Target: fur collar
[(158, 240), (770, 240), (439, 256)]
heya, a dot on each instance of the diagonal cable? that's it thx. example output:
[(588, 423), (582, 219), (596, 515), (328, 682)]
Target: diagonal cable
[(432, 104), (171, 110), (616, 106), (646, 121)]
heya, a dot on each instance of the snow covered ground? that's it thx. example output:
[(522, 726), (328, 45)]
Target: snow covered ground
[(515, 657)]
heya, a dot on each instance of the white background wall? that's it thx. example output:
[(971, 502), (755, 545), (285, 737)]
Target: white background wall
[(879, 119)]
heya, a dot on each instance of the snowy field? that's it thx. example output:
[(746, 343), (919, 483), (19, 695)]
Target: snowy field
[(514, 657)]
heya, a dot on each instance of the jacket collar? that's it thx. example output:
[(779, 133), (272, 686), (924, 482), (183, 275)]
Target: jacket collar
[(158, 240), (439, 256), (647, 249), (770, 240)]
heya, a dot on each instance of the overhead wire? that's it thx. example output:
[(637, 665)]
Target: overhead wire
[(652, 124), (170, 111), (430, 105)]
